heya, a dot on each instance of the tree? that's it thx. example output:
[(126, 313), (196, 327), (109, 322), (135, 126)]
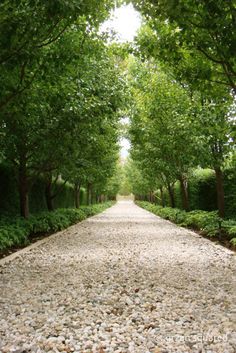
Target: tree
[(216, 131), (205, 28), (139, 183), (75, 98), (28, 28), (166, 146), (202, 80)]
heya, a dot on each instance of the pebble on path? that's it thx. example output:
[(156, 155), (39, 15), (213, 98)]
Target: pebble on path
[(124, 281)]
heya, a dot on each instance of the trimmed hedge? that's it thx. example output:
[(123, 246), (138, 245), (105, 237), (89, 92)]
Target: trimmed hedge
[(18, 231), (202, 192), (209, 223), (9, 200)]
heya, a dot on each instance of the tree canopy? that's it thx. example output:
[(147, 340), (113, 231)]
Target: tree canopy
[(65, 87)]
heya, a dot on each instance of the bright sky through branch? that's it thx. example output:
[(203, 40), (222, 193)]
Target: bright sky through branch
[(125, 146), (125, 21)]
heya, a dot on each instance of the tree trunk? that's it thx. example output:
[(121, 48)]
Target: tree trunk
[(89, 194), (77, 195), (48, 194), (220, 191), (184, 192), (151, 197), (171, 195), (162, 197), (23, 190)]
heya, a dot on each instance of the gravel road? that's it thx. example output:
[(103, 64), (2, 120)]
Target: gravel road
[(122, 281)]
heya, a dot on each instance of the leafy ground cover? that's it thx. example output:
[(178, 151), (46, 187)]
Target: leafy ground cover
[(207, 223), (19, 232)]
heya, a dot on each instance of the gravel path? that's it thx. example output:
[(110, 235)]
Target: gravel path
[(122, 281)]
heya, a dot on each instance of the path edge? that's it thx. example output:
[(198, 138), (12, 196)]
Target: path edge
[(20, 252)]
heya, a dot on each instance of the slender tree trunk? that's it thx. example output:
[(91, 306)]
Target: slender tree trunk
[(48, 194), (220, 191), (162, 197), (89, 194), (77, 195), (151, 197), (171, 195), (23, 190), (184, 192)]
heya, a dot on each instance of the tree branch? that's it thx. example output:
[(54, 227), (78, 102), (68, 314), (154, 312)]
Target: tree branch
[(217, 61), (17, 92), (53, 39)]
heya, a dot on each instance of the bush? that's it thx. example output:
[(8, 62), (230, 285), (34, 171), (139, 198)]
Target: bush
[(209, 223), (18, 231), (233, 242)]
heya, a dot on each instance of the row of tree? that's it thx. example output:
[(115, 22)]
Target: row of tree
[(61, 92), (183, 87)]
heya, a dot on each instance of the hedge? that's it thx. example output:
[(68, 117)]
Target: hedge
[(18, 231), (202, 192), (9, 200)]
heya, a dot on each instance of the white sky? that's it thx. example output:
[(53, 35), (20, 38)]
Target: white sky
[(125, 146), (125, 21)]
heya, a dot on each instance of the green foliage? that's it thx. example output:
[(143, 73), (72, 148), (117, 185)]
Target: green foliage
[(229, 227), (134, 180), (202, 192), (18, 231), (115, 182), (208, 222), (61, 91), (232, 230), (182, 45), (12, 236), (233, 242), (195, 37), (9, 201)]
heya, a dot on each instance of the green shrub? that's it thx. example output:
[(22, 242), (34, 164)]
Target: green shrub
[(233, 242), (232, 231), (13, 235), (208, 222), (17, 231)]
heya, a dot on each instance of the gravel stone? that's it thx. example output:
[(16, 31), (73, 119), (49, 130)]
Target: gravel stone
[(119, 282)]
